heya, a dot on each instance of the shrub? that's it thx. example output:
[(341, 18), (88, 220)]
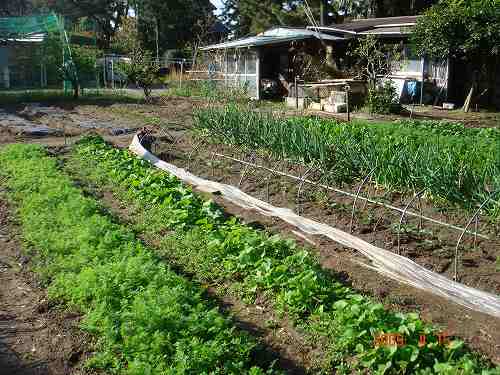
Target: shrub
[(383, 99)]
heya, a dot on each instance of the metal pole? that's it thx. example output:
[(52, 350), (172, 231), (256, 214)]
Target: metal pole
[(112, 73), (369, 200), (157, 42), (296, 87), (96, 68), (104, 71), (423, 78), (182, 72), (347, 88), (257, 73), (63, 62)]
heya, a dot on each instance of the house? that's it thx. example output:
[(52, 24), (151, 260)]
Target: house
[(272, 55), (414, 72)]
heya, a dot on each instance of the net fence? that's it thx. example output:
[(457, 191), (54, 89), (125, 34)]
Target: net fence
[(22, 28), (35, 51)]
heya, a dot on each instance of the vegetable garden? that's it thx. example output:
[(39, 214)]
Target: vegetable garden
[(459, 165), (148, 319)]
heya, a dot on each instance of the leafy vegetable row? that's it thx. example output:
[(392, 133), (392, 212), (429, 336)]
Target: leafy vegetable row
[(147, 319), (449, 161), (215, 248)]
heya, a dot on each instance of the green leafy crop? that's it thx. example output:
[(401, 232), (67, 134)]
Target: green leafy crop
[(147, 319), (214, 248)]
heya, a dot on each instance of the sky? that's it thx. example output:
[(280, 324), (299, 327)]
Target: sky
[(218, 4)]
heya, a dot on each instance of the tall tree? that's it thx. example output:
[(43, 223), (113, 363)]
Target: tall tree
[(173, 22), (9, 8), (253, 16), (460, 29), (467, 30), (107, 14)]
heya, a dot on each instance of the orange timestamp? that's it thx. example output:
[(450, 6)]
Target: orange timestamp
[(397, 339)]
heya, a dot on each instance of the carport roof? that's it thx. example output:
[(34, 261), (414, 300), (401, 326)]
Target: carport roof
[(273, 36)]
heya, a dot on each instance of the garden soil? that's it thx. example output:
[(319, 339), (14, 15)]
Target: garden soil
[(175, 115), (36, 338)]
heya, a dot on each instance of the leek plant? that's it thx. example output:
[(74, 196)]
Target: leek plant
[(455, 164)]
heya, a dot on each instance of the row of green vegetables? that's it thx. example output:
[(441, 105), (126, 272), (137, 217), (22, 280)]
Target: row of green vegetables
[(216, 248), (146, 318), (449, 161)]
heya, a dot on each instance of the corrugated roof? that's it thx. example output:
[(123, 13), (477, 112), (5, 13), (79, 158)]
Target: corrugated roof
[(399, 30), (369, 23), (273, 36), (363, 25), (31, 38)]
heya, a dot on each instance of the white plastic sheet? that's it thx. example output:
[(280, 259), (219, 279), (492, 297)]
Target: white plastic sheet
[(385, 262)]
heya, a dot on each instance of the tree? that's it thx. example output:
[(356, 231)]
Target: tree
[(126, 39), (107, 14), (175, 22), (254, 16), (459, 29), (142, 70), (375, 62), (9, 8), (391, 8), (82, 62), (467, 30)]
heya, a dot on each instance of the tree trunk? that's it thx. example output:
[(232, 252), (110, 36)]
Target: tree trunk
[(76, 90)]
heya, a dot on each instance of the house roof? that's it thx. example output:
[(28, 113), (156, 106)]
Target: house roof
[(377, 26), (273, 36)]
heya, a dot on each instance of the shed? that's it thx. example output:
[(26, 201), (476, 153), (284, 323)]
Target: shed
[(248, 61)]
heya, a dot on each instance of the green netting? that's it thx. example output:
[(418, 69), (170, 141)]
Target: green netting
[(15, 31), (23, 27)]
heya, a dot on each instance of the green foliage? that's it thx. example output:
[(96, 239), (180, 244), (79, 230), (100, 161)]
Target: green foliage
[(85, 58), (375, 61), (459, 28), (79, 69), (142, 70), (126, 39), (215, 248), (177, 22), (147, 319), (254, 16), (459, 168), (209, 90), (383, 99)]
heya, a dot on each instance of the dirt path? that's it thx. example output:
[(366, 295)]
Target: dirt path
[(35, 337)]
